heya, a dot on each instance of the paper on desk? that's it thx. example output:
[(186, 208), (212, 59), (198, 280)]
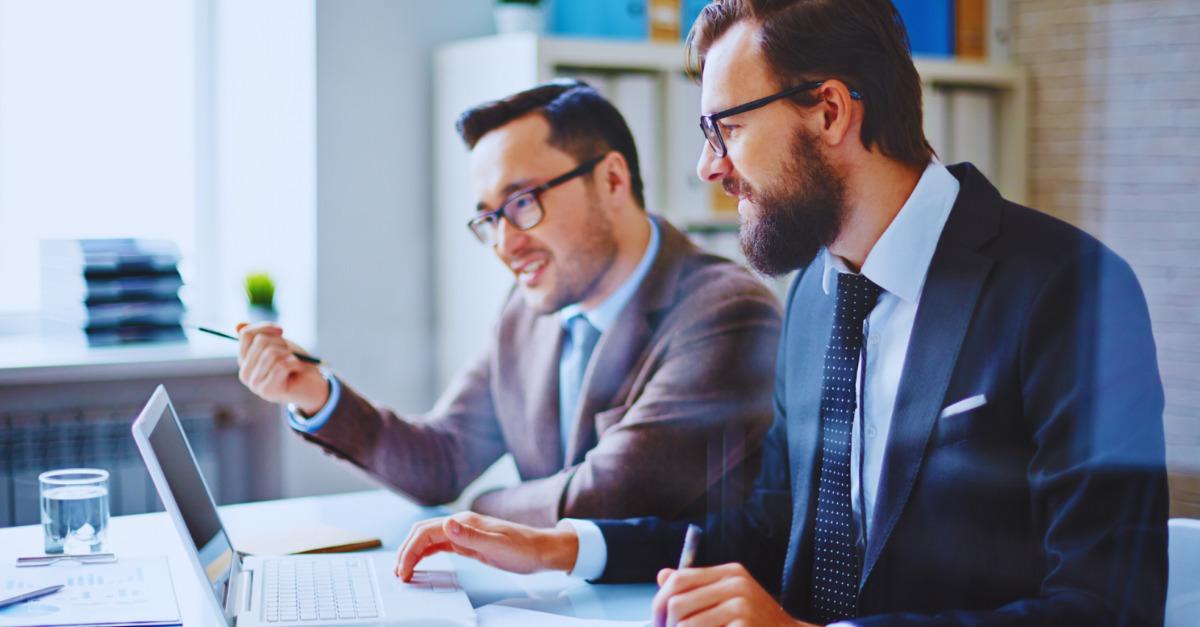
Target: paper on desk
[(507, 616), (131, 591), (310, 538)]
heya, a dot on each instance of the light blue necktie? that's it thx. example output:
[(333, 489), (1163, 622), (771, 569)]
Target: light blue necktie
[(580, 339)]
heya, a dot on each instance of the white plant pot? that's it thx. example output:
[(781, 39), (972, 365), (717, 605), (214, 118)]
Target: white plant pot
[(255, 313), (518, 18)]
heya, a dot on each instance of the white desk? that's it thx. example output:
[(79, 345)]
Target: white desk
[(380, 513)]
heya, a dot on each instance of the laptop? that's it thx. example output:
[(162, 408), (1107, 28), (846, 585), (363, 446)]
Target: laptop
[(292, 590)]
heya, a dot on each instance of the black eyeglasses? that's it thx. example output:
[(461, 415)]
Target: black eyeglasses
[(523, 209), (712, 132)]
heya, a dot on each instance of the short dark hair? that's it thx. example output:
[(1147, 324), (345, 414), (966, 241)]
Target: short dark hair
[(583, 123), (863, 43)]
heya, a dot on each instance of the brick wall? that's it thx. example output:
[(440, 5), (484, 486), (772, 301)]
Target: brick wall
[(1115, 149)]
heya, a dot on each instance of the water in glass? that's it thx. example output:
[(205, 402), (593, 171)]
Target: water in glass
[(74, 513)]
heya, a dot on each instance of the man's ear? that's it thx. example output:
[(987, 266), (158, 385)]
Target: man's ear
[(840, 113), (614, 174)]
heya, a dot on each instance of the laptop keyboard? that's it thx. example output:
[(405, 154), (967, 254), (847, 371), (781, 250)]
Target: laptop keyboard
[(318, 590)]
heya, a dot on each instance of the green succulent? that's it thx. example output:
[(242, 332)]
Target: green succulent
[(260, 290)]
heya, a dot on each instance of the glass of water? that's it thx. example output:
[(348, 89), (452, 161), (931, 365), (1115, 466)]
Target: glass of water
[(74, 509)]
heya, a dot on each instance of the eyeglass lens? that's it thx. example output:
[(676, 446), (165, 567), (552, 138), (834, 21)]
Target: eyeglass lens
[(713, 135), (523, 212)]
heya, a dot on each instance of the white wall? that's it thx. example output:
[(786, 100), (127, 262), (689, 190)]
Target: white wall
[(264, 116), (374, 190)]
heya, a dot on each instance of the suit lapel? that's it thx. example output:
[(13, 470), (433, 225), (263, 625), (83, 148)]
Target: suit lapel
[(810, 321), (616, 355), (536, 364), (955, 279), (612, 362)]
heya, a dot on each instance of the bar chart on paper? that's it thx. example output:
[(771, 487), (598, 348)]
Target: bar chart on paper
[(130, 591)]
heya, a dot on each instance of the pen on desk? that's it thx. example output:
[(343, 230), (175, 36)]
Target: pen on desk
[(301, 356), (29, 596), (691, 544), (47, 560)]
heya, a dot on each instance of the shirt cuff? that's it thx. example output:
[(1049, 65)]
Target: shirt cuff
[(593, 550), (317, 420)]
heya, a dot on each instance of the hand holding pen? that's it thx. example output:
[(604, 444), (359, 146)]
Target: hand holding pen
[(714, 595), (277, 370)]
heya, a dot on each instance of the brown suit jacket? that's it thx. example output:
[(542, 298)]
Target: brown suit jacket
[(675, 401)]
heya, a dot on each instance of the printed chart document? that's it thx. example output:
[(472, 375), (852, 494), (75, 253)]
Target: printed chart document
[(131, 591), (507, 616)]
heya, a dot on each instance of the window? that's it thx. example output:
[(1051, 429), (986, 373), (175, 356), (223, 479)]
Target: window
[(187, 120), (97, 128)]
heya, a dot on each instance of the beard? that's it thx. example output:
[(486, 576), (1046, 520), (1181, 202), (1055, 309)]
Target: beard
[(795, 219)]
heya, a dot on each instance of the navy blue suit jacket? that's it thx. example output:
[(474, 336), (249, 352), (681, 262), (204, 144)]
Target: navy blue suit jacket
[(1047, 505)]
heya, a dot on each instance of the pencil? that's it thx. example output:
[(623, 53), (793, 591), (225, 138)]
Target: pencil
[(691, 544), (301, 356)]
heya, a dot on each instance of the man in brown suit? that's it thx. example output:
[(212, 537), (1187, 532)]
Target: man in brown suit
[(630, 374)]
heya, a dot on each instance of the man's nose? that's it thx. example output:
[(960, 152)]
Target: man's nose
[(712, 168), (508, 237)]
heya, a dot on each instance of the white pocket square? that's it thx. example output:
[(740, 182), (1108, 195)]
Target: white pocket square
[(965, 405)]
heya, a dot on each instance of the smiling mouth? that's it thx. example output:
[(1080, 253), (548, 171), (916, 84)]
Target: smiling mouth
[(529, 273)]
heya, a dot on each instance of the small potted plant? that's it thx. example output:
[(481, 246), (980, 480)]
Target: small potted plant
[(518, 16), (260, 296)]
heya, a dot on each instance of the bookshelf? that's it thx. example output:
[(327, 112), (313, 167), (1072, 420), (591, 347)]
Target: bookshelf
[(985, 102)]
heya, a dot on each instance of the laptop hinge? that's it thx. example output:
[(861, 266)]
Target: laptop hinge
[(241, 593)]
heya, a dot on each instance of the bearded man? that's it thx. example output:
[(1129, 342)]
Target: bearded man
[(629, 373), (968, 411)]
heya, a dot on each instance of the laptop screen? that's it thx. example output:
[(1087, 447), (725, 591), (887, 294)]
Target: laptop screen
[(196, 506)]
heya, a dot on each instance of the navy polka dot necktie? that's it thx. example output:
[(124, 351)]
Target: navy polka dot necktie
[(835, 566)]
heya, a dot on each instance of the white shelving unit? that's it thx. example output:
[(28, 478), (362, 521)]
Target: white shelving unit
[(470, 285)]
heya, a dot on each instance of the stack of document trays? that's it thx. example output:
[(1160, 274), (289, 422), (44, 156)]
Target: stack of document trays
[(115, 290)]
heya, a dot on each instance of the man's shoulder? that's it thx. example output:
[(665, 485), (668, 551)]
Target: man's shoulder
[(1012, 233), (1040, 245), (705, 276)]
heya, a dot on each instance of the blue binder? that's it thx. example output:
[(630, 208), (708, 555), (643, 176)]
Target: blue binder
[(611, 19), (691, 10), (930, 25)]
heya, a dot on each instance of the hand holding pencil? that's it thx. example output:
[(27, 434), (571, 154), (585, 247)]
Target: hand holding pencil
[(275, 369)]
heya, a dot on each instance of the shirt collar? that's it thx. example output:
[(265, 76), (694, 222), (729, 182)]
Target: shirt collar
[(605, 315), (899, 261)]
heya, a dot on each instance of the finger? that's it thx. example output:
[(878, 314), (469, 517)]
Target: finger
[(271, 362), (731, 611), (463, 530), (416, 531), (415, 549), (664, 575), (679, 581), (276, 382), (248, 333), (254, 357), (684, 605)]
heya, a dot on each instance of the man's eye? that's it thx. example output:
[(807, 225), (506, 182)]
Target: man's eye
[(729, 129)]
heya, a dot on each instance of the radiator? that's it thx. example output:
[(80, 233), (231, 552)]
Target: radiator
[(235, 440)]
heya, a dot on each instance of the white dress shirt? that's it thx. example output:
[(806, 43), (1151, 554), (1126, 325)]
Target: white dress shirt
[(898, 263)]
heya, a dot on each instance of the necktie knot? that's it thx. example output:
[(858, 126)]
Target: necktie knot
[(583, 334), (856, 297)]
